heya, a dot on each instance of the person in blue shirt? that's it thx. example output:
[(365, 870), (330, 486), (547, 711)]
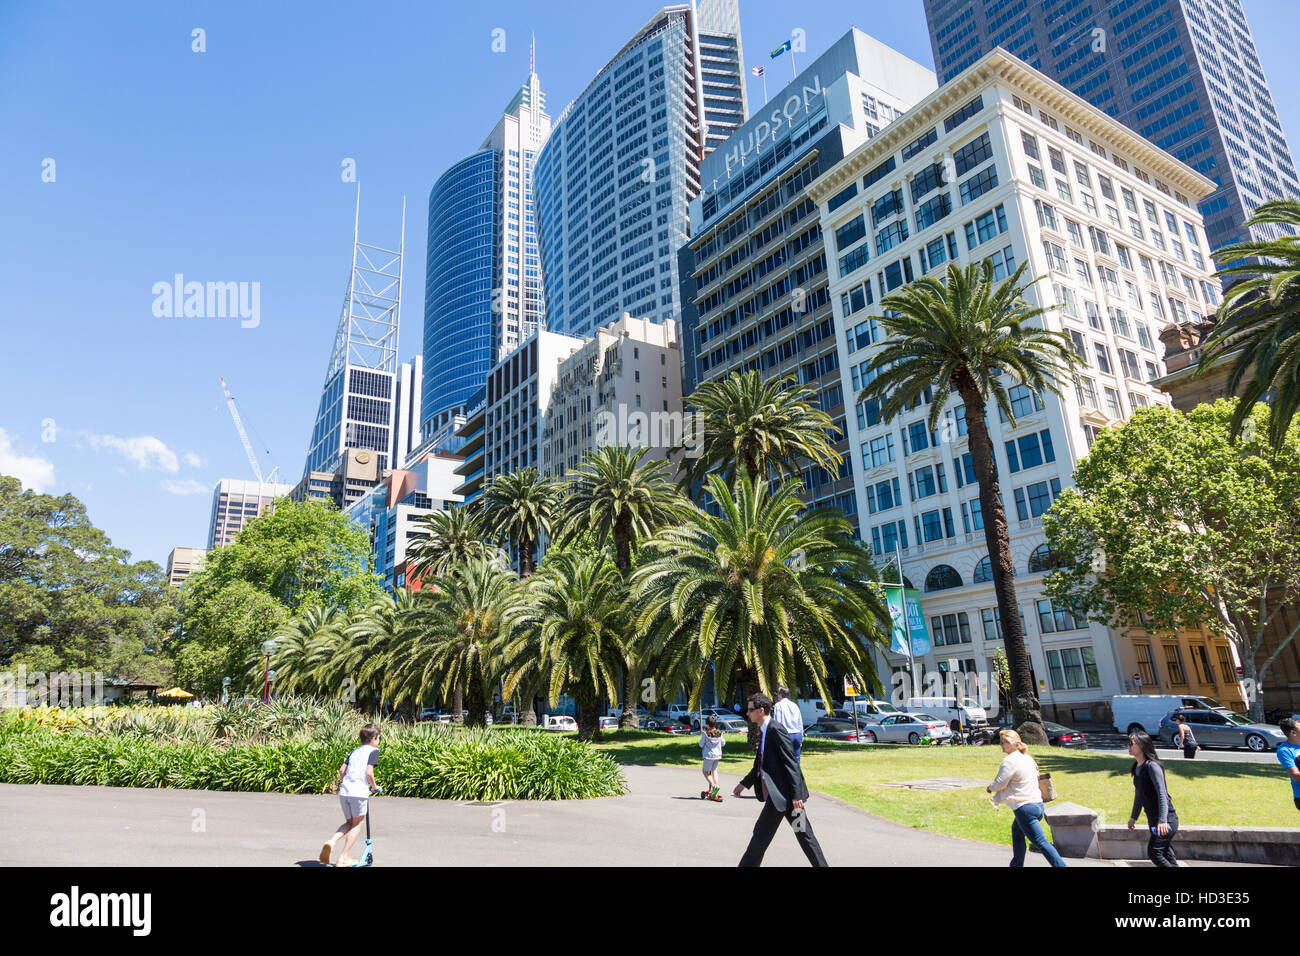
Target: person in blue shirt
[(1289, 752)]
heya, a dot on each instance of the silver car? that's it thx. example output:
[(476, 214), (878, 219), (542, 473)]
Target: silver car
[(1222, 728), (908, 728)]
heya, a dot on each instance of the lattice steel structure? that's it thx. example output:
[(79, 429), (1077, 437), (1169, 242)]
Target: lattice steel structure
[(356, 406)]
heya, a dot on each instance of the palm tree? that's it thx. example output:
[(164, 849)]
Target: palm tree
[(377, 637), (519, 508), (446, 539), (968, 334), (759, 426), (570, 627), (451, 643), (1259, 321), (764, 592), (615, 494), (299, 646)]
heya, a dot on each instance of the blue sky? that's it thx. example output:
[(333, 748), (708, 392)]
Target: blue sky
[(225, 166)]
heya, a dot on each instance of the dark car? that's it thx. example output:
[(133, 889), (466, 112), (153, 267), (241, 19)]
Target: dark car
[(667, 724), (1059, 736), (828, 726)]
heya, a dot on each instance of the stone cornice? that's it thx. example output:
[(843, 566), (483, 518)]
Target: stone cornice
[(1001, 66)]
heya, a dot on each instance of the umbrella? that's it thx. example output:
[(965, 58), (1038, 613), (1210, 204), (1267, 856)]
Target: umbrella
[(174, 692)]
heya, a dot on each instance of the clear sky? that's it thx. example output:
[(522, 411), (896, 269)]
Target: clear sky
[(225, 166)]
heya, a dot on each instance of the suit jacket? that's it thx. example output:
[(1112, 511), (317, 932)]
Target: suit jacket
[(779, 770)]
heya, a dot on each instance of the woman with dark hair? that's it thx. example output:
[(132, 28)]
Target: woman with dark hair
[(1183, 737), (1151, 793)]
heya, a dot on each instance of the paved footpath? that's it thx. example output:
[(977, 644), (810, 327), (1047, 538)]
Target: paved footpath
[(661, 822)]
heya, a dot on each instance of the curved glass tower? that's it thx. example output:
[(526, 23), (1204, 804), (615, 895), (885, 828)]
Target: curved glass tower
[(459, 278)]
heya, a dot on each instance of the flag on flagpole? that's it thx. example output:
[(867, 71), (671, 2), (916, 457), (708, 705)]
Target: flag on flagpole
[(758, 71), (781, 49)]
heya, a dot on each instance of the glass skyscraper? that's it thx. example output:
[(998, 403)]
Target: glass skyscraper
[(483, 287), (1182, 73), (617, 175)]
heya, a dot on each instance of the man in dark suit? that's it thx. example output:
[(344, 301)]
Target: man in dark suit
[(778, 783)]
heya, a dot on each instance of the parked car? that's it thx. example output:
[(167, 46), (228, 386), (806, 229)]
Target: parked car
[(667, 724), (1059, 736), (813, 710), (910, 728), (1274, 716), (733, 725), (706, 712), (609, 723), (560, 722), (1223, 728), (872, 709), (1131, 712), (833, 730), (966, 712)]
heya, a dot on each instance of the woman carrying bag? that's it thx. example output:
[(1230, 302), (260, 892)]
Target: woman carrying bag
[(1016, 785), (1183, 737)]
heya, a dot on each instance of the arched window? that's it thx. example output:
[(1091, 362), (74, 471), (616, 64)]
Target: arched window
[(984, 570), (1043, 559), (942, 577)]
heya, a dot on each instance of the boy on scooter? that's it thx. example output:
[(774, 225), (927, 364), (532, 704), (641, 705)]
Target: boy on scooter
[(357, 782)]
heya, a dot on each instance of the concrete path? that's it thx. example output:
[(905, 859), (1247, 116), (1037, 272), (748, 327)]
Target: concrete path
[(662, 822)]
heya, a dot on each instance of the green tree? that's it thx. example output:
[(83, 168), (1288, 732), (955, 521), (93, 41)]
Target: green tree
[(760, 426), (764, 592), (444, 540), (570, 626), (69, 600), (616, 495), (453, 645), (1259, 320), (968, 334), (302, 555), (518, 508), (1171, 520)]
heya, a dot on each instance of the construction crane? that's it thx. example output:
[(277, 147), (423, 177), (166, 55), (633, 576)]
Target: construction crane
[(243, 436)]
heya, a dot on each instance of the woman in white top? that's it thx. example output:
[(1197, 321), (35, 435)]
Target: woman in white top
[(1016, 785)]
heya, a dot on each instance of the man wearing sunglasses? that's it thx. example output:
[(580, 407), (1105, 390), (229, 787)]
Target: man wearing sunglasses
[(779, 784)]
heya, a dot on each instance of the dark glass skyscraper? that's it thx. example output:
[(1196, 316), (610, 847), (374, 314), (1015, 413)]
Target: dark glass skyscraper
[(1182, 73)]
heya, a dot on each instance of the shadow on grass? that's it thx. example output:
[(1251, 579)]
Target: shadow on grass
[(1118, 765)]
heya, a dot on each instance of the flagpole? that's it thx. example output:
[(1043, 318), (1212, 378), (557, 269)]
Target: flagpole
[(794, 74), (764, 78)]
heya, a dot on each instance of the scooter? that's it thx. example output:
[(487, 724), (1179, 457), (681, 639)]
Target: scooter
[(368, 854)]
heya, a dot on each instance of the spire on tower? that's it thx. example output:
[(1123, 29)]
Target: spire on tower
[(532, 53)]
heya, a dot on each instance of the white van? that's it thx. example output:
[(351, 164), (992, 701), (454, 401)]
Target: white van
[(966, 712), (1130, 712), (871, 710), (813, 710)]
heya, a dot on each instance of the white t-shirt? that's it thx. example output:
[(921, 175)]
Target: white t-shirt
[(354, 778), (1017, 781)]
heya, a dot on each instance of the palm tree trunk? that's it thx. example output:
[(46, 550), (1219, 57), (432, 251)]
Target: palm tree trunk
[(627, 720), (588, 716), (525, 557), (1025, 710), (477, 704), (457, 706)]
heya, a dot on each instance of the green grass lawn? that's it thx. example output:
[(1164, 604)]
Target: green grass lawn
[(1203, 792)]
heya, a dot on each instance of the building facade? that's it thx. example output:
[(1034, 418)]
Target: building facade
[(502, 431), (390, 512), (1002, 164), (755, 274), (623, 162), (483, 285), (235, 502), (408, 389), (623, 386), (1182, 73), (182, 562)]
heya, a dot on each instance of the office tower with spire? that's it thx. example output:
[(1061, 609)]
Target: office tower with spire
[(616, 178), (483, 284), (355, 417), (1182, 73)]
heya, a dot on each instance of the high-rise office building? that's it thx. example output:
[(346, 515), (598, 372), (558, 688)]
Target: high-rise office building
[(1002, 164), (182, 562), (356, 404), (615, 179), (1182, 73), (483, 284), (235, 502), (408, 389), (755, 274)]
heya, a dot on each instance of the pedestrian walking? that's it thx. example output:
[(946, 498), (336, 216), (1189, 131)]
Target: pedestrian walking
[(779, 784), (1151, 794), (1289, 752), (786, 713), (1016, 785), (1183, 737), (711, 742)]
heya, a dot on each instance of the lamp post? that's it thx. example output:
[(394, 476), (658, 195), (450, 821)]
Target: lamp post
[(267, 648), (270, 681), (225, 690)]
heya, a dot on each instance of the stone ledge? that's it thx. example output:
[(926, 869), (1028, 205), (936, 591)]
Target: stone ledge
[(1078, 833)]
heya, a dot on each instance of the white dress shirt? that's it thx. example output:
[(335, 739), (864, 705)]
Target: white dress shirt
[(786, 713)]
